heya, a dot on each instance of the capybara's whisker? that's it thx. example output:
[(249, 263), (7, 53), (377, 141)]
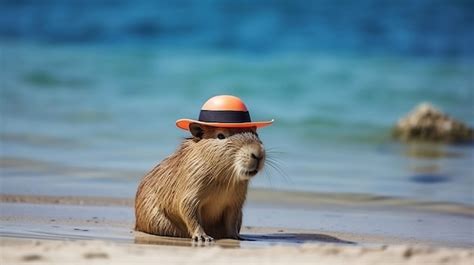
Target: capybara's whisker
[(276, 167)]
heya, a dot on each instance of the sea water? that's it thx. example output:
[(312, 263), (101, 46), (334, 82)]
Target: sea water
[(90, 91)]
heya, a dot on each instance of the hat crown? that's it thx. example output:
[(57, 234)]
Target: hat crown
[(224, 103), (224, 111)]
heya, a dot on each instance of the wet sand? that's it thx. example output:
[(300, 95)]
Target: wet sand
[(278, 227)]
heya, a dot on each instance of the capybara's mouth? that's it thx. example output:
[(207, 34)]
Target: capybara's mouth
[(251, 173)]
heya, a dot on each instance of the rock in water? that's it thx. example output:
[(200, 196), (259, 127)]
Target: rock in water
[(426, 123)]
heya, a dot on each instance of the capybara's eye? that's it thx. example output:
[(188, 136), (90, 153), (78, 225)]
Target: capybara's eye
[(221, 136)]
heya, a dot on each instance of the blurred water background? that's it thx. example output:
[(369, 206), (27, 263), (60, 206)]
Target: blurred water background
[(90, 90)]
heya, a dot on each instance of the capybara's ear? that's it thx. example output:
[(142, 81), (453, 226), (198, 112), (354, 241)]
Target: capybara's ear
[(196, 130)]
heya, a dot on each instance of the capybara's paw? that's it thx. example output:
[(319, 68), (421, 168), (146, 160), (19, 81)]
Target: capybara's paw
[(201, 237)]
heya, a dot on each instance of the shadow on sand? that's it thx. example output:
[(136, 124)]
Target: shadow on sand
[(294, 238)]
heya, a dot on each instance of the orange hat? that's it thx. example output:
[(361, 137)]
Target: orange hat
[(224, 111)]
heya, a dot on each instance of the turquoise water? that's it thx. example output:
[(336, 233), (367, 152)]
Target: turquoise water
[(99, 116), (90, 90)]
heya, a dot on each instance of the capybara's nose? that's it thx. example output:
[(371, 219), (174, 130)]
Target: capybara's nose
[(257, 153), (256, 157)]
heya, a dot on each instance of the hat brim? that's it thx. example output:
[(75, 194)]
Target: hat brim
[(184, 124)]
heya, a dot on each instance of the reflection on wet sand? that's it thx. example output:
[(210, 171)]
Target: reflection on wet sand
[(247, 240)]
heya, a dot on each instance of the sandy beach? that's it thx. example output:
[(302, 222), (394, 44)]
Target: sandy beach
[(21, 251), (332, 229)]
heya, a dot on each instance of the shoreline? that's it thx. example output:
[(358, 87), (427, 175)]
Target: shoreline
[(278, 198)]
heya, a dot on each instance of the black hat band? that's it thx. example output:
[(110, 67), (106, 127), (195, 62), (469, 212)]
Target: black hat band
[(224, 116)]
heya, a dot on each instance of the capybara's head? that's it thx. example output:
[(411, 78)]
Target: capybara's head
[(238, 150)]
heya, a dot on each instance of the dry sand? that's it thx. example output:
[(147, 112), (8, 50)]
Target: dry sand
[(18, 251)]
